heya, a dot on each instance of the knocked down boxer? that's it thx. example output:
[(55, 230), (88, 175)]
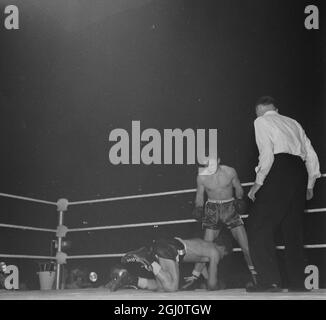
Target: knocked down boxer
[(162, 258)]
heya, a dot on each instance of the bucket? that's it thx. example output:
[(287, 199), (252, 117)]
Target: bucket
[(46, 279)]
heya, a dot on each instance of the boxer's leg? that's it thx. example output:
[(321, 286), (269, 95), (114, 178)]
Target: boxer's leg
[(214, 259), (168, 276), (240, 235), (148, 284), (235, 224), (199, 268), (204, 272), (162, 282), (211, 234), (200, 250), (211, 225)]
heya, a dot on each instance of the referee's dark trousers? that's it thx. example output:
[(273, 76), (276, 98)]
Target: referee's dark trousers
[(280, 202)]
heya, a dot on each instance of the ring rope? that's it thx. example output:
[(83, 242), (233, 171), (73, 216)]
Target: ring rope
[(118, 255), (122, 226), (308, 246), (24, 256), (117, 198), (137, 196), (133, 225), (150, 195), (147, 224), (317, 246), (315, 210), (14, 226), (7, 195), (141, 196)]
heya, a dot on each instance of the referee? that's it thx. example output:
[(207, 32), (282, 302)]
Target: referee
[(285, 177)]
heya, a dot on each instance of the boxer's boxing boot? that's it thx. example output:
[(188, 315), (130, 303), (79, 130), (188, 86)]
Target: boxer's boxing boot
[(253, 275)]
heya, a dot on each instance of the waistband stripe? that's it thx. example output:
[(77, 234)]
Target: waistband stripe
[(219, 201)]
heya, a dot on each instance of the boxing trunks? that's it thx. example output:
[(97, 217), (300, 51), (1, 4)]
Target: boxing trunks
[(219, 212), (171, 249)]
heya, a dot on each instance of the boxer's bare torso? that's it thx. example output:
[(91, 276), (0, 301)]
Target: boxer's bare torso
[(219, 186)]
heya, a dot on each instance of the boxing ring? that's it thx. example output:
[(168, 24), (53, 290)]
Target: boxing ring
[(60, 232)]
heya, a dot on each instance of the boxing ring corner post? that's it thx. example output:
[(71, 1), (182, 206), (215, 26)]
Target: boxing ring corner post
[(62, 206)]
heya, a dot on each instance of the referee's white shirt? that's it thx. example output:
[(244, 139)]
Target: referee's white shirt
[(279, 134)]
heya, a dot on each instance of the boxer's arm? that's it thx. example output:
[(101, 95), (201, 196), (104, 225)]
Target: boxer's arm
[(237, 186), (199, 201)]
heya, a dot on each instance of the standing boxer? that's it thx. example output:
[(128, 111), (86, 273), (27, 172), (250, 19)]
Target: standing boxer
[(222, 186), (285, 157)]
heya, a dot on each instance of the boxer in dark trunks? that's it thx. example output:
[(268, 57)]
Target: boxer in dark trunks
[(221, 184), (163, 258)]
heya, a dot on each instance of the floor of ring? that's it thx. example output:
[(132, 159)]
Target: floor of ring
[(102, 294)]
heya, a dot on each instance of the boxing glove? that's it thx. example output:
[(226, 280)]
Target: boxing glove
[(198, 213), (240, 206)]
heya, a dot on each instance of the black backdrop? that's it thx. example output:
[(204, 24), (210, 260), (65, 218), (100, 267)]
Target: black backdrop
[(73, 73)]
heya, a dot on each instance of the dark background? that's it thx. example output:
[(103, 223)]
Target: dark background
[(78, 69)]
